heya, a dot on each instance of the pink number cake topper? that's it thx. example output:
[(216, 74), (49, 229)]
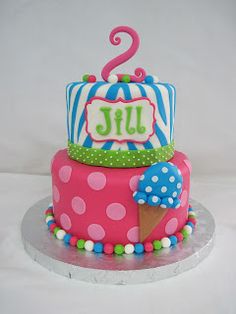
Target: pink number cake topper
[(115, 40)]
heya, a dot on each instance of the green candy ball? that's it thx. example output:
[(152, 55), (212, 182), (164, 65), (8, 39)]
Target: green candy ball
[(126, 79), (85, 77), (119, 249), (157, 244), (55, 230), (80, 244), (184, 233), (50, 214)]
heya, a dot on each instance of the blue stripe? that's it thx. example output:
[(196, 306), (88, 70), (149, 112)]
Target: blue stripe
[(148, 145), (113, 92), (107, 145), (160, 103), (88, 141), (131, 146), (142, 90), (168, 87), (160, 135), (69, 89), (74, 111), (174, 94)]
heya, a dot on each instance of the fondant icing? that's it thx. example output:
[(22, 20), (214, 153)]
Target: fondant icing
[(161, 95), (96, 203), (120, 187)]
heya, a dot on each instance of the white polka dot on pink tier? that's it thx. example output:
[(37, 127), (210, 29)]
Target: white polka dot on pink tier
[(96, 232), (56, 194), (171, 226), (133, 183), (78, 205), (184, 198), (65, 173), (65, 221), (133, 234), (115, 211), (96, 180)]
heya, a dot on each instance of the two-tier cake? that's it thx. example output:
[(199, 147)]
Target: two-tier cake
[(120, 187)]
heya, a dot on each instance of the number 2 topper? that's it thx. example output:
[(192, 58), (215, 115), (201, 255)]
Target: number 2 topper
[(140, 73)]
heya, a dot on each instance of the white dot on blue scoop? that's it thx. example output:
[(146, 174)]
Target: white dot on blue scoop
[(164, 170), (179, 185), (154, 179), (170, 200), (154, 199), (141, 201), (163, 189), (172, 179), (148, 189)]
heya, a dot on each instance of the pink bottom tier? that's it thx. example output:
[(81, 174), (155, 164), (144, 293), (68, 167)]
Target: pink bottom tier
[(96, 203)]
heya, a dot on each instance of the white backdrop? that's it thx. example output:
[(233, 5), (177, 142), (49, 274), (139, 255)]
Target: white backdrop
[(46, 44)]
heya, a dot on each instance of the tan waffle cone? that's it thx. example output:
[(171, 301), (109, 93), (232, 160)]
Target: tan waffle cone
[(149, 218)]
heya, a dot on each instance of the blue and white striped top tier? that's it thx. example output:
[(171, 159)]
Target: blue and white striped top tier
[(162, 95), (159, 146)]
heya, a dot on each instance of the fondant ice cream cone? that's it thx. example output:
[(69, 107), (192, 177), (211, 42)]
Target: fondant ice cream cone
[(149, 218)]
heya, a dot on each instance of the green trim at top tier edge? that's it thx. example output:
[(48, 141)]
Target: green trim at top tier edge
[(120, 158)]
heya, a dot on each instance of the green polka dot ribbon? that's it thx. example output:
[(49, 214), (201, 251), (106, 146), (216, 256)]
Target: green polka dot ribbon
[(120, 158)]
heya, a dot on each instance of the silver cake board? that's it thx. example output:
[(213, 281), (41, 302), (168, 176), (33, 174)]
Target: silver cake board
[(68, 261)]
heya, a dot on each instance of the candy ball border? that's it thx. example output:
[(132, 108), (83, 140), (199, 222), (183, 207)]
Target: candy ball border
[(119, 249)]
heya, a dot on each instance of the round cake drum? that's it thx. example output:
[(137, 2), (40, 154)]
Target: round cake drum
[(68, 261)]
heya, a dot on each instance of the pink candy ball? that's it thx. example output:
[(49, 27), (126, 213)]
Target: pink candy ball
[(148, 247), (52, 227), (73, 241), (179, 236), (108, 248), (92, 78), (48, 211), (192, 220)]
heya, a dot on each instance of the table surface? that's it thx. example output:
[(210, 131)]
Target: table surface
[(26, 287)]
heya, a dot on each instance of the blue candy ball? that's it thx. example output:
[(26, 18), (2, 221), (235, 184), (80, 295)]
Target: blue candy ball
[(149, 79), (173, 240), (190, 224), (49, 223), (67, 238), (190, 209), (98, 247), (138, 248)]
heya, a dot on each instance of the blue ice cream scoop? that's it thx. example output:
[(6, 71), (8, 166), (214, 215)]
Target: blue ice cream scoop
[(160, 185)]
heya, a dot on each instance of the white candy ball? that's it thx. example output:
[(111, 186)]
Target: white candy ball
[(165, 242), (129, 248), (188, 228), (155, 79), (88, 245), (112, 78), (50, 205), (49, 218), (60, 234)]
